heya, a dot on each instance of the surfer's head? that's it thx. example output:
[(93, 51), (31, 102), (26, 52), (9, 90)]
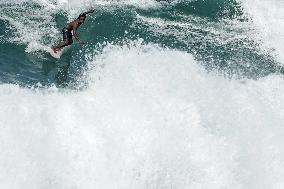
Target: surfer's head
[(82, 18)]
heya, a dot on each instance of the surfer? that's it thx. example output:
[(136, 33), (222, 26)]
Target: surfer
[(67, 32)]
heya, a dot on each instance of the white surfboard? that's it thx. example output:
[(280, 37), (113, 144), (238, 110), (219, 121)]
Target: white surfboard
[(56, 55)]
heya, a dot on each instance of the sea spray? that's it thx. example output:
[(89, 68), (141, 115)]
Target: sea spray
[(144, 122), (267, 17)]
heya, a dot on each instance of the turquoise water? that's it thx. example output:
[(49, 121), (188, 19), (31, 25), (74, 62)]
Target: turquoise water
[(165, 94), (216, 32)]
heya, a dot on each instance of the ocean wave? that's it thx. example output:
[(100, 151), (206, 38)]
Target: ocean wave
[(150, 117)]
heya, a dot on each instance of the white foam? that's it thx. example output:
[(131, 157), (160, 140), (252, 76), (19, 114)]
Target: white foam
[(150, 118), (30, 25), (268, 17)]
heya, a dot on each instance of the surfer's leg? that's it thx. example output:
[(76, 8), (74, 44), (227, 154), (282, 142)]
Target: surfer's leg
[(67, 38)]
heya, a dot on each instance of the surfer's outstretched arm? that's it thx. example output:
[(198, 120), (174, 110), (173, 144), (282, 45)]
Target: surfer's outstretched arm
[(76, 36), (84, 14)]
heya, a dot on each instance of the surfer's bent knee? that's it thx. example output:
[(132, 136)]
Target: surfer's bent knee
[(68, 42)]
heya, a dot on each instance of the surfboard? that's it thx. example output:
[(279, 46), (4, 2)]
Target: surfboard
[(54, 55)]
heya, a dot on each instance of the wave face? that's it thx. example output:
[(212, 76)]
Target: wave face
[(165, 94), (220, 35)]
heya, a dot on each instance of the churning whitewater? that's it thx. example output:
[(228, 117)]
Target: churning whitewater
[(165, 94)]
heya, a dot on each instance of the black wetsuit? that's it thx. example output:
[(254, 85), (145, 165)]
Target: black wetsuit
[(67, 34)]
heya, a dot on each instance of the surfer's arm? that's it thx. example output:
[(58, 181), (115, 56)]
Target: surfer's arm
[(85, 13), (88, 12), (76, 35)]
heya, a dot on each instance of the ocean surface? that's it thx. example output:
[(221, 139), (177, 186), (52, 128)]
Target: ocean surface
[(181, 94)]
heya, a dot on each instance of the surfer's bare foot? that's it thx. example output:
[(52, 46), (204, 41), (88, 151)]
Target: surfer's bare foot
[(54, 49)]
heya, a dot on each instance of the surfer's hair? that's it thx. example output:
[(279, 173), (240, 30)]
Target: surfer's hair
[(82, 15)]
